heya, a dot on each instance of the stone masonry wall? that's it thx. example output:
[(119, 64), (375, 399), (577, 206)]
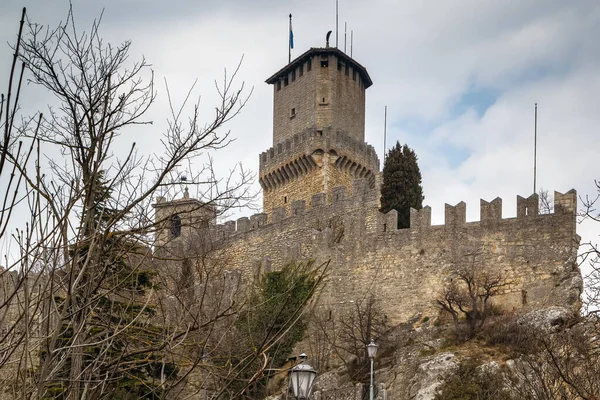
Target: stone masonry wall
[(348, 93), (340, 98), (313, 162), (298, 94), (283, 195), (320, 98), (406, 268)]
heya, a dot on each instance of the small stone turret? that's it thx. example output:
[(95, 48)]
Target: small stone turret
[(181, 217)]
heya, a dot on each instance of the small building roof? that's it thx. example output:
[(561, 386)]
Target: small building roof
[(319, 51)]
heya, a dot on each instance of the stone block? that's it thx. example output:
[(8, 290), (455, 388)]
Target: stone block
[(319, 199), (390, 223), (527, 207), (420, 219), (565, 203), (455, 215), (229, 228), (243, 224), (220, 232), (490, 212), (279, 214), (298, 207), (338, 194), (258, 220)]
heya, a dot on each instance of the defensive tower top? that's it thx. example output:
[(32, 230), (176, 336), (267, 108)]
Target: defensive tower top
[(322, 89), (318, 129)]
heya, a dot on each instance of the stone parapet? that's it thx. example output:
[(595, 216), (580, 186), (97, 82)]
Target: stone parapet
[(306, 142), (363, 197)]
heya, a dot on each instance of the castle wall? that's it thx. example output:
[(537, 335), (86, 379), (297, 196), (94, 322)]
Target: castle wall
[(407, 268)]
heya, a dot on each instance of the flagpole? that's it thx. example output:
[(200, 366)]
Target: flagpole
[(384, 131), (290, 36), (535, 149), (336, 23), (345, 32)]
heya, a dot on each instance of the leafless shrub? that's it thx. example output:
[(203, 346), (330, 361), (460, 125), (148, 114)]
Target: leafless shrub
[(468, 295), (546, 202)]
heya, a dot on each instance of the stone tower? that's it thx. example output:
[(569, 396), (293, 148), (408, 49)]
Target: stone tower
[(181, 218), (318, 129)]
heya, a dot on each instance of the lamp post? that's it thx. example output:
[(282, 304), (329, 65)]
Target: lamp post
[(372, 352), (302, 377)]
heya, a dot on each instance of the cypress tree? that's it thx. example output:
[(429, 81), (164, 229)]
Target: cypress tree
[(401, 188)]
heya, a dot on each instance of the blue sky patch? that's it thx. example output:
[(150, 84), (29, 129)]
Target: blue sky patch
[(477, 99)]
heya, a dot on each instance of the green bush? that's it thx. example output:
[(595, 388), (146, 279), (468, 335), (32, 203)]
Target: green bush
[(470, 381)]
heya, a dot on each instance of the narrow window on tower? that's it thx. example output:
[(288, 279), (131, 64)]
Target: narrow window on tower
[(293, 74), (293, 113), (285, 81), (353, 74), (175, 225), (346, 69), (324, 63), (309, 65), (284, 199), (278, 85), (339, 65), (301, 69)]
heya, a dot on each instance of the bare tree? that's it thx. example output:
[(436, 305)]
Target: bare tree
[(89, 311), (546, 205), (590, 254), (346, 335), (468, 294), (561, 363), (22, 286)]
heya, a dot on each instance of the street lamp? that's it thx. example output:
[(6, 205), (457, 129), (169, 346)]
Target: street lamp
[(372, 352), (302, 377)]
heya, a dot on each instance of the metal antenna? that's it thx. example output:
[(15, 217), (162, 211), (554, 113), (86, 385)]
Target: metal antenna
[(337, 17), (384, 132), (345, 34), (351, 42), (535, 149)]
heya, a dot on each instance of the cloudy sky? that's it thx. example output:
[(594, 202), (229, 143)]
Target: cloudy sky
[(459, 78)]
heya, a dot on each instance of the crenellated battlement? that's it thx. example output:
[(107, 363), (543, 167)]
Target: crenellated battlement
[(363, 198), (309, 140), (361, 195), (364, 247), (491, 212)]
